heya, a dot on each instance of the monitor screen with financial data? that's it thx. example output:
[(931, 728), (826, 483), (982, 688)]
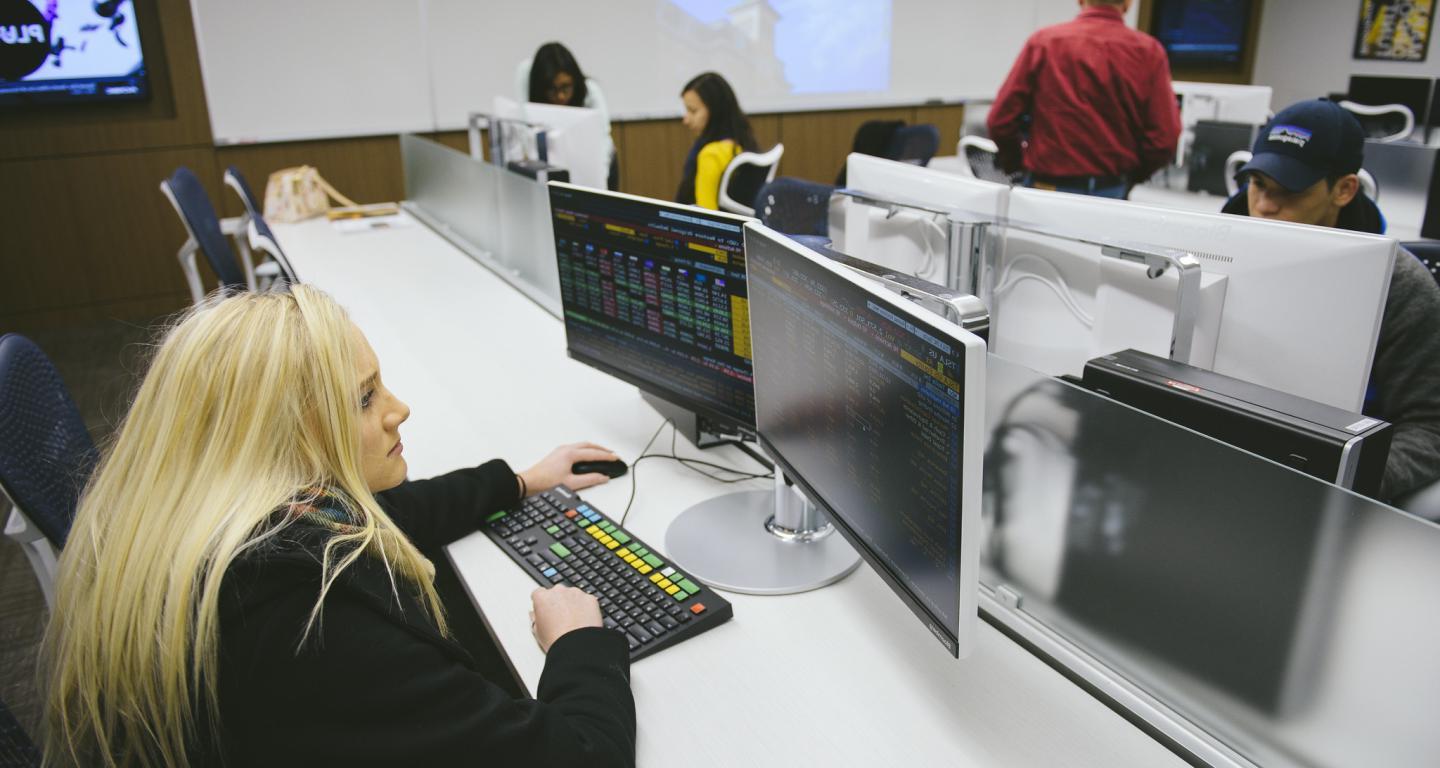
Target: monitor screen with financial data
[(655, 294), (875, 408)]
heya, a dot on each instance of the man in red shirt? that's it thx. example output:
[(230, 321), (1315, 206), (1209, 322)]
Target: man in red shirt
[(1102, 113)]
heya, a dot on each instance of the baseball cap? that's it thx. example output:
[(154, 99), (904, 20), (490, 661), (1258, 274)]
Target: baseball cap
[(1306, 142)]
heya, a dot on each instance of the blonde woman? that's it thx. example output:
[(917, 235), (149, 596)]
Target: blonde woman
[(242, 584)]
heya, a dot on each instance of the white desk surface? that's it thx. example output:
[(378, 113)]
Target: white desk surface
[(840, 676)]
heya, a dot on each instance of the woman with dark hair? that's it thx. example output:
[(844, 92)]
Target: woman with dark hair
[(553, 76), (722, 131)]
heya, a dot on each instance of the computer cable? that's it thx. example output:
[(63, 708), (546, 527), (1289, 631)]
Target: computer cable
[(1059, 287), (692, 464)]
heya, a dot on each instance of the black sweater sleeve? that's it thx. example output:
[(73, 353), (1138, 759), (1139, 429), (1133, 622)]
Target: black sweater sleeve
[(369, 689), (442, 509)]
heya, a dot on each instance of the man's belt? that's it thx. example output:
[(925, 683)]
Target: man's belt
[(1080, 181)]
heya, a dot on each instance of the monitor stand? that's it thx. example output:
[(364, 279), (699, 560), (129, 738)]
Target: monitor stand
[(760, 542), (754, 542)]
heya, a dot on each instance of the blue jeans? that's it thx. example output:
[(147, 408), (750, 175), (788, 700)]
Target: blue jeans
[(1116, 191)]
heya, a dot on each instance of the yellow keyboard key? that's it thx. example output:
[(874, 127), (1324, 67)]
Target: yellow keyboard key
[(592, 529), (664, 584), (656, 577), (629, 557), (611, 544), (624, 552), (605, 539), (645, 568), (672, 589)]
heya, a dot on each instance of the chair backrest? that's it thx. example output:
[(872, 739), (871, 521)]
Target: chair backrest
[(872, 138), (1383, 122), (1428, 252), (261, 236), (745, 175), (914, 144), (980, 160), (1368, 184), (46, 454), (795, 206), (185, 192)]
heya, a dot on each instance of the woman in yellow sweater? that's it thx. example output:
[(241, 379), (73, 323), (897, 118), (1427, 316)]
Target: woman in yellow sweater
[(722, 131)]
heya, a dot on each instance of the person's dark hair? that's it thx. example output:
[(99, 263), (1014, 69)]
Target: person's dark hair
[(726, 120), (550, 60)]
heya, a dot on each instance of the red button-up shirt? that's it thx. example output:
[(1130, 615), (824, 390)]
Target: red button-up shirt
[(1099, 99)]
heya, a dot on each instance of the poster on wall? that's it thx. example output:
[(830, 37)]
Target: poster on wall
[(1394, 30)]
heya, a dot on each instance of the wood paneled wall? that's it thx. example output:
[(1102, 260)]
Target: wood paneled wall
[(816, 143), (88, 236)]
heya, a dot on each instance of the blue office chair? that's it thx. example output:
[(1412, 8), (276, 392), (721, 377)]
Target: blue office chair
[(258, 236), (914, 144), (46, 455), (795, 206), (16, 749), (185, 193), (1428, 252)]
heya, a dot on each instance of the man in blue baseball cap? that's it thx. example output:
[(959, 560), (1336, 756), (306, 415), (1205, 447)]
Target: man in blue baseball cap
[(1304, 170)]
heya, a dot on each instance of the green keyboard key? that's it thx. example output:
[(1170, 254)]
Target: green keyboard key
[(496, 516), (652, 561), (680, 596), (552, 530), (640, 552), (607, 527), (560, 549), (621, 537), (689, 586)]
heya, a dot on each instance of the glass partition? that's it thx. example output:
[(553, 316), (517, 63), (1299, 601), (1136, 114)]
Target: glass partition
[(498, 218), (1247, 611)]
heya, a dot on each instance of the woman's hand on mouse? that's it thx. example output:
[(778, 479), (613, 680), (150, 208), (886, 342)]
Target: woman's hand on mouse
[(554, 469)]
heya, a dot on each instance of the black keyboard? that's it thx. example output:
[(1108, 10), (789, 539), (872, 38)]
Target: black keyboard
[(557, 538)]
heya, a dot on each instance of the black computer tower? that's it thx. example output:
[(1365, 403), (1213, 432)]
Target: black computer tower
[(1214, 142), (1348, 449)]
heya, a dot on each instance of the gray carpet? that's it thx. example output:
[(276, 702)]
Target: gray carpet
[(99, 366)]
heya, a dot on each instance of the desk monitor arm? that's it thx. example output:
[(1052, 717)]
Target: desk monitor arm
[(960, 308), (1187, 302), (966, 232)]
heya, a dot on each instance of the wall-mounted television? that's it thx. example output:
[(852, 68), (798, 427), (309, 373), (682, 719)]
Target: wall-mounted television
[(1202, 33), (70, 50)]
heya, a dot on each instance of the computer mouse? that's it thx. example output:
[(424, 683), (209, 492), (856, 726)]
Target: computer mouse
[(612, 469)]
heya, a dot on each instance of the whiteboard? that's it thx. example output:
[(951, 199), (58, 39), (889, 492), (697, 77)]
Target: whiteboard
[(278, 71)]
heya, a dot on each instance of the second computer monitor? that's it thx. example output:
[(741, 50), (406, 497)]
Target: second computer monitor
[(1299, 310), (655, 294), (875, 408)]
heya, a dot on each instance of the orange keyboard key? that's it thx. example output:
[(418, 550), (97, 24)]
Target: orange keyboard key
[(570, 513), (697, 608)]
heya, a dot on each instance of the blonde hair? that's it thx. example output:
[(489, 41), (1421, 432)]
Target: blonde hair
[(249, 401)]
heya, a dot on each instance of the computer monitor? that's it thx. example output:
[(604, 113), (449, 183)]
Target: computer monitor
[(909, 239), (1299, 310), (1219, 101), (1202, 33), (876, 410), (576, 139), (656, 294)]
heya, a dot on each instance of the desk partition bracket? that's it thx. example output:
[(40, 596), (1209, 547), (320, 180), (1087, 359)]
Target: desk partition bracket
[(1187, 303)]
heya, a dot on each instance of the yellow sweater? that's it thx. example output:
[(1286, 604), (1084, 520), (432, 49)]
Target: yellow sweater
[(709, 167)]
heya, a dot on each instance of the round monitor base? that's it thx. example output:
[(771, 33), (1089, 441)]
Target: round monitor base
[(726, 543)]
